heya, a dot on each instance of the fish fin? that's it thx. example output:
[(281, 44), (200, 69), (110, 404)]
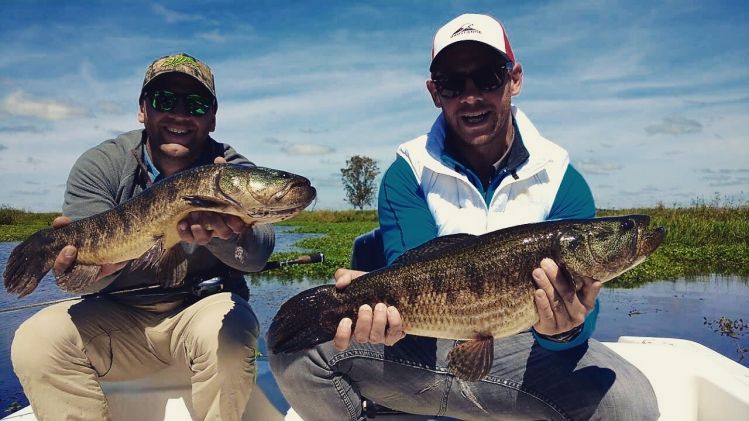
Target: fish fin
[(466, 392), (78, 278), (472, 360), (431, 247), (429, 387), (29, 262), (151, 257), (172, 267), (203, 201), (305, 320)]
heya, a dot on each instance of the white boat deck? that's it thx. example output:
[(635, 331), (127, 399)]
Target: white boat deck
[(691, 381)]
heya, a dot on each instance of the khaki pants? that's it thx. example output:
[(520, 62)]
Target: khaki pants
[(61, 353)]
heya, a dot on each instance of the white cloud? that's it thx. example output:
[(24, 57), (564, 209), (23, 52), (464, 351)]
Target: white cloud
[(109, 107), (20, 128), (675, 126), (307, 149), (596, 167), (172, 16), (213, 36), (19, 104)]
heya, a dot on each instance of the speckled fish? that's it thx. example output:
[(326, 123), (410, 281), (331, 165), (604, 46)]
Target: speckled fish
[(144, 229), (472, 288)]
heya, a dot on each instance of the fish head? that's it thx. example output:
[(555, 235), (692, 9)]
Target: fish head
[(604, 248), (264, 195)]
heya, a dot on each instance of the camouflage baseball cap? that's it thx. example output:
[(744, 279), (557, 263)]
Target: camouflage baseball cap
[(181, 63)]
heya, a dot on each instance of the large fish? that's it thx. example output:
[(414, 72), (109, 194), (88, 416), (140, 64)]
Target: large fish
[(473, 288), (144, 228)]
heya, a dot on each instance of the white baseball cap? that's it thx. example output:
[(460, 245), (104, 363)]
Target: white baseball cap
[(473, 27)]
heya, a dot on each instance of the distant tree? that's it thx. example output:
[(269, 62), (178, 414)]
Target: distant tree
[(359, 180)]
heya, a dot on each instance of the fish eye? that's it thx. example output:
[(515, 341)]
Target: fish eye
[(572, 242), (626, 225)]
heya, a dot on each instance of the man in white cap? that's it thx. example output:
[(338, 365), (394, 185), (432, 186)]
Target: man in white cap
[(483, 166)]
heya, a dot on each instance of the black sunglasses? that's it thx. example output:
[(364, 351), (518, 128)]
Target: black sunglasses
[(486, 79), (165, 101)]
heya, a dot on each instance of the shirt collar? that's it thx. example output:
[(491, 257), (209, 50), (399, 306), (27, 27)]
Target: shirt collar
[(153, 172), (207, 156)]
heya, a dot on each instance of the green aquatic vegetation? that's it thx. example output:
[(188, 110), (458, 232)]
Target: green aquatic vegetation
[(338, 233), (17, 224), (736, 329)]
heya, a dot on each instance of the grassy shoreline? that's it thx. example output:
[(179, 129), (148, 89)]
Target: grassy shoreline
[(702, 239)]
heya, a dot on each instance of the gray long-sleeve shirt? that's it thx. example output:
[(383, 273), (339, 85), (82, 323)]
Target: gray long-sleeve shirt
[(113, 172)]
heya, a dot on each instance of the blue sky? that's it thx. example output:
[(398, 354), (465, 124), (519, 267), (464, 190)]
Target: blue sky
[(649, 98)]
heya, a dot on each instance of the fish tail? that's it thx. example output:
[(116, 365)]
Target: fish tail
[(307, 319), (29, 262)]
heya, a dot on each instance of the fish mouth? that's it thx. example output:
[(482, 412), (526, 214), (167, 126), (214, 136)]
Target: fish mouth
[(299, 193), (276, 214), (650, 240), (294, 184)]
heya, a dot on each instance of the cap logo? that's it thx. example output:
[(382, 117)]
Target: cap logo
[(465, 29), (174, 61)]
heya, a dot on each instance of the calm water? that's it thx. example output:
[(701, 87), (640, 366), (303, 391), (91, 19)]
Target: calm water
[(668, 308)]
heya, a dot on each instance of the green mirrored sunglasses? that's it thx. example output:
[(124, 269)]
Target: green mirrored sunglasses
[(165, 101)]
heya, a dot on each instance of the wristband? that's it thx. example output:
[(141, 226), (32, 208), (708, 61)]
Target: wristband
[(564, 336)]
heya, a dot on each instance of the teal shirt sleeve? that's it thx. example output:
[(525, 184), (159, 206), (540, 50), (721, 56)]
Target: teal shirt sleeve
[(574, 200), (405, 219)]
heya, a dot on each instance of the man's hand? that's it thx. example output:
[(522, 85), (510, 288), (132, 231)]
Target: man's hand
[(560, 307), (381, 326), (66, 258), (200, 227)]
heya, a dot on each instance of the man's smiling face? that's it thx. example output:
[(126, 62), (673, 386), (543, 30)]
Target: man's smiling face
[(478, 117), (176, 135)]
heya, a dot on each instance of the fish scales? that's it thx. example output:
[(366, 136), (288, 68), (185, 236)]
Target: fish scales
[(472, 288), (481, 288)]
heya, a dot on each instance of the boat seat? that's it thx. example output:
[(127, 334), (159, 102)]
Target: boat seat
[(368, 252)]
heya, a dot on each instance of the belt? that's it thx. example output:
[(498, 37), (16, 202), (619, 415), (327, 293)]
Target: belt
[(196, 286)]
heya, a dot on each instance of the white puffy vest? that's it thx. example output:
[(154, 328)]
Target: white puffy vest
[(457, 205)]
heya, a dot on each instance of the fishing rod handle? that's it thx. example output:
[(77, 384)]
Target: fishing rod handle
[(316, 257)]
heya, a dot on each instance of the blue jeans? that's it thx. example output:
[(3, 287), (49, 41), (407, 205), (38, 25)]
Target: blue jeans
[(526, 382)]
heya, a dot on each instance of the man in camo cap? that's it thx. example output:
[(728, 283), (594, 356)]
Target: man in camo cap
[(181, 63), (62, 353)]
